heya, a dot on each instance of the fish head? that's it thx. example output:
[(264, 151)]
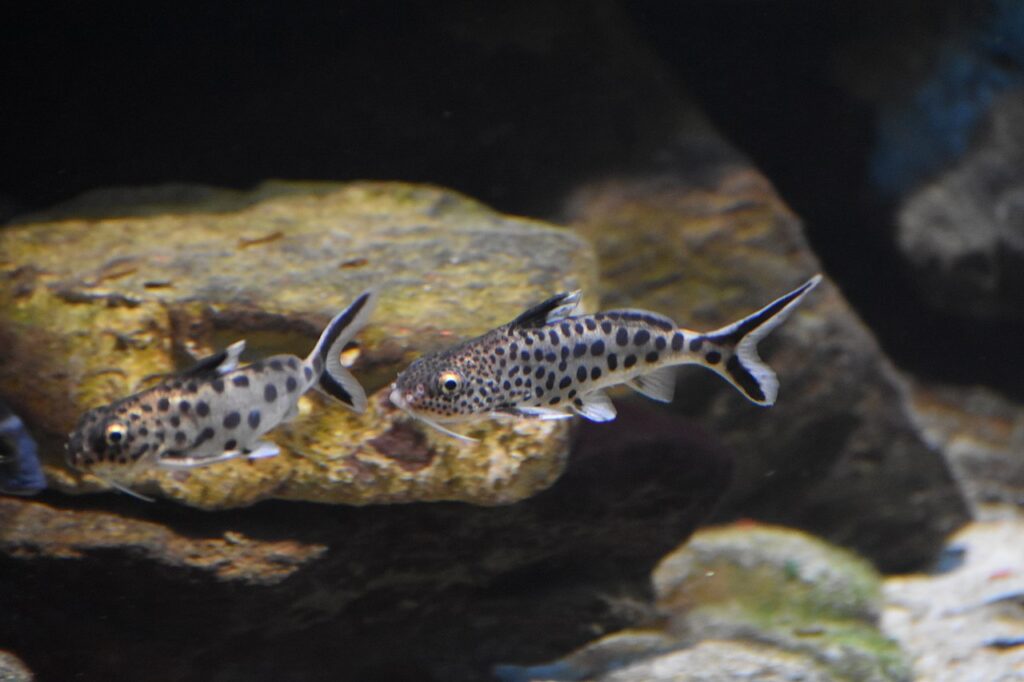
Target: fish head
[(436, 387), (102, 435)]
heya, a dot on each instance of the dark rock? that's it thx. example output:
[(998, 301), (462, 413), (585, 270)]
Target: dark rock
[(710, 242), (405, 592), (962, 234)]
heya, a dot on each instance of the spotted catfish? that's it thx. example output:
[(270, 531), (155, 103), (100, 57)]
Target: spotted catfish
[(551, 364), (217, 410)]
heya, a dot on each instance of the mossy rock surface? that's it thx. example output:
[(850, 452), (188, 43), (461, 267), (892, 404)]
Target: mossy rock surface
[(121, 285)]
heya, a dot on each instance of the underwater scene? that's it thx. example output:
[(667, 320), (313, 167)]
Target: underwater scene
[(610, 341)]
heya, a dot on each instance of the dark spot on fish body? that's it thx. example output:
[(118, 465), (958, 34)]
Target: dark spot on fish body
[(291, 384), (595, 373), (528, 340), (652, 356), (276, 365), (565, 383), (538, 354), (163, 404), (555, 400), (175, 421), (308, 372), (231, 420), (553, 337), (293, 364), (143, 431), (270, 393), (539, 391), (203, 408), (579, 328), (230, 445), (539, 374), (581, 373), (204, 435), (519, 381), (629, 361), (550, 383), (218, 385), (566, 329), (524, 356), (180, 438), (678, 341), (550, 357), (613, 361), (514, 371), (241, 381), (184, 406), (579, 350), (499, 350), (714, 357), (192, 387), (254, 419), (591, 324), (606, 327), (696, 343), (641, 337), (146, 407), (562, 366), (597, 348), (507, 385), (572, 394), (660, 343), (565, 352), (622, 336)]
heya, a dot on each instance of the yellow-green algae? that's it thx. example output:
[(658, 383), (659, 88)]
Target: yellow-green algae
[(91, 306), (783, 587)]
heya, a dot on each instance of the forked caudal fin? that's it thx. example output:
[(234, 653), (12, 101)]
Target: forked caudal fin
[(335, 380), (742, 366)]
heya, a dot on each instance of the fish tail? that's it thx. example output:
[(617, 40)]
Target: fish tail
[(334, 379), (736, 344)]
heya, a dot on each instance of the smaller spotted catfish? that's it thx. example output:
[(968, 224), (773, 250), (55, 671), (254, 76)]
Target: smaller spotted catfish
[(549, 363), (217, 410)]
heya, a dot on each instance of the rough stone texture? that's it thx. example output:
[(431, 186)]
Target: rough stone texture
[(89, 306), (837, 454), (438, 591), (713, 661), (32, 531), (12, 669), (745, 602), (981, 435), (966, 623), (779, 587), (962, 234)]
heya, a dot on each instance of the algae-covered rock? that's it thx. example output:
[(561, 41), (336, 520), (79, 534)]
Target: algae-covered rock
[(781, 587), (745, 602), (92, 305)]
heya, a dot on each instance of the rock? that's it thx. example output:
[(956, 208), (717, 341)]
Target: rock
[(780, 587), (32, 531), (713, 661), (981, 435), (745, 602), (392, 592), (966, 623), (89, 306), (708, 242), (962, 233), (12, 669)]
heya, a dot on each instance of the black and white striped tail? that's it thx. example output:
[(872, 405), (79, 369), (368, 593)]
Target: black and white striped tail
[(335, 380), (742, 366)]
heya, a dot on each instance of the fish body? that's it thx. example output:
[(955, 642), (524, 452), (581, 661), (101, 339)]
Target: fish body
[(551, 364), (20, 471), (217, 410)]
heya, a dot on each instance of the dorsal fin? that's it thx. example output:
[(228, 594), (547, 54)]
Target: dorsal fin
[(219, 363), (555, 308)]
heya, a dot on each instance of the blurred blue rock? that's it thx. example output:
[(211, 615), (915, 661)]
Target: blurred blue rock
[(20, 471)]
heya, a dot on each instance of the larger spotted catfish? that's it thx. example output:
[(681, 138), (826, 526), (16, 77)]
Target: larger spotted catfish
[(550, 363), (217, 410)]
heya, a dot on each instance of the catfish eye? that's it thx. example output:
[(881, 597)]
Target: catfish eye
[(115, 432), (449, 382)]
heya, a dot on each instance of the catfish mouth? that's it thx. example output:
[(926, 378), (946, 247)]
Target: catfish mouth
[(401, 400)]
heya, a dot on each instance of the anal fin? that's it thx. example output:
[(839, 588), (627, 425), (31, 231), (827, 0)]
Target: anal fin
[(658, 385), (542, 413), (260, 450), (595, 406)]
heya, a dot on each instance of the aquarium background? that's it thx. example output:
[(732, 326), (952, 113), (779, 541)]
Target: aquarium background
[(698, 159)]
